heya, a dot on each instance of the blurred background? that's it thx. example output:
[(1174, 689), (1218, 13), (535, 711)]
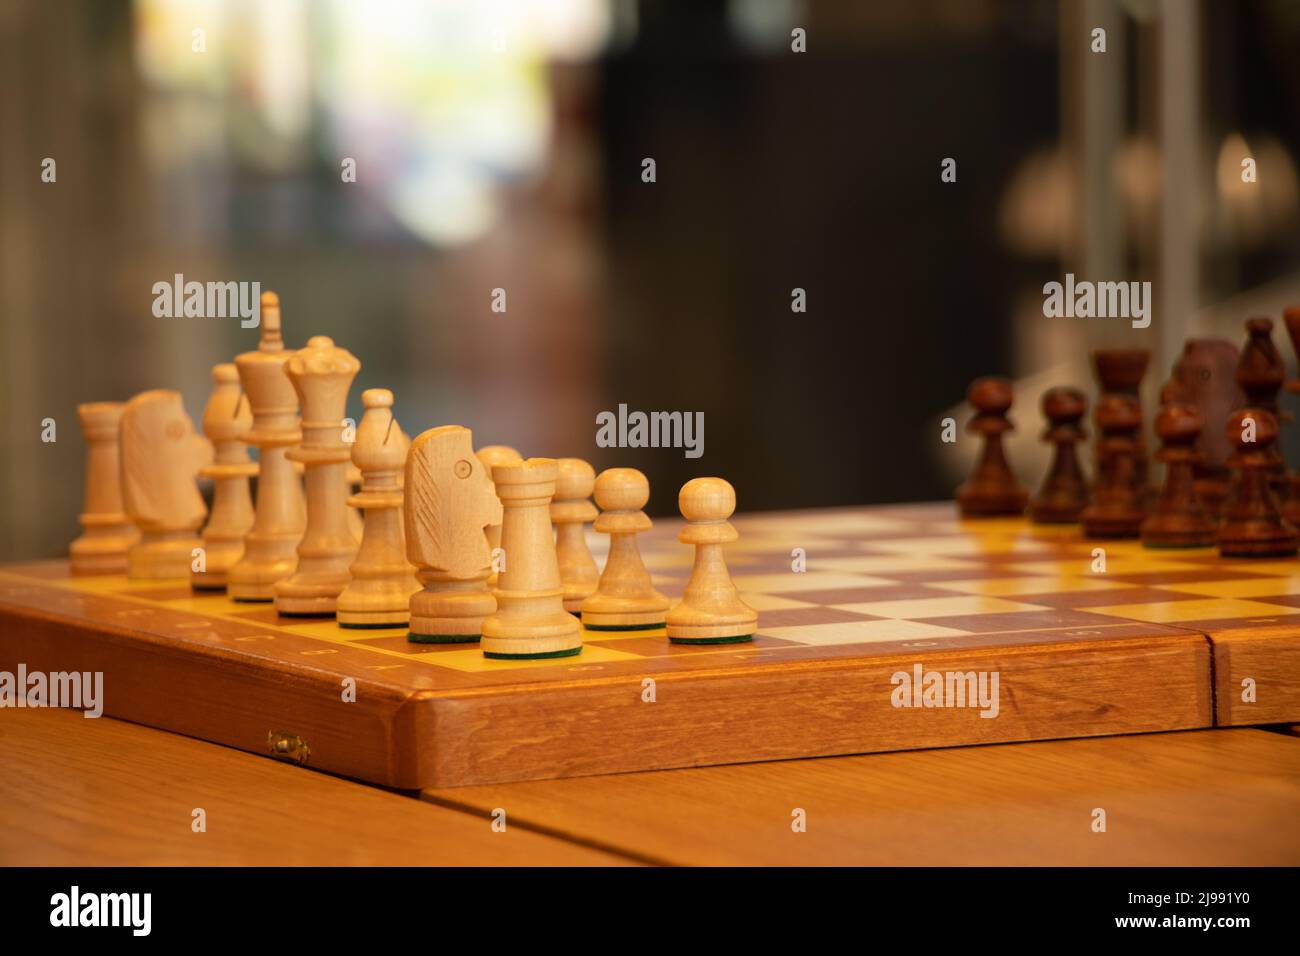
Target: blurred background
[(500, 145)]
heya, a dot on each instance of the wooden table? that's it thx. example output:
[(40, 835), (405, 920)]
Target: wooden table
[(1225, 797), (101, 792), (104, 792)]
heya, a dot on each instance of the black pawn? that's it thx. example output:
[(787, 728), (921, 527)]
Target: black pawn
[(1178, 519), (1064, 493), (1253, 526), (1261, 372), (1116, 509), (992, 488)]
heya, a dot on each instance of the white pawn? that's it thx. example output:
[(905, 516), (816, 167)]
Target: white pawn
[(711, 611), (571, 510), (625, 598), (379, 593)]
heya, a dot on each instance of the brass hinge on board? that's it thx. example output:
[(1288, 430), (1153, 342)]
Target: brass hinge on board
[(287, 745)]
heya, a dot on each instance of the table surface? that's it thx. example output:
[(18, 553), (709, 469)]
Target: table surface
[(1215, 797), (80, 791), (102, 792)]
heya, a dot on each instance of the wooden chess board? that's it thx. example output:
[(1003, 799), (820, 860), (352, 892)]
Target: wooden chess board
[(1162, 640)]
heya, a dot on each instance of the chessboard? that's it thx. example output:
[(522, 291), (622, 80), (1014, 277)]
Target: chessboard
[(852, 604)]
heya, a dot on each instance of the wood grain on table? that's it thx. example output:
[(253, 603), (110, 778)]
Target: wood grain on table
[(1211, 797), (101, 792)]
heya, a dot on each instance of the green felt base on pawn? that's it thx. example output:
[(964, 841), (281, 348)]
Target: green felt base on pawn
[(712, 640), (318, 615), (625, 627), (242, 600), (442, 638), (209, 588), (371, 627), (569, 652)]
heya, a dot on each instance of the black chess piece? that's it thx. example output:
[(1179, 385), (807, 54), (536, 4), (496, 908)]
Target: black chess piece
[(992, 488), (1177, 518), (1116, 509), (1253, 526), (1064, 493)]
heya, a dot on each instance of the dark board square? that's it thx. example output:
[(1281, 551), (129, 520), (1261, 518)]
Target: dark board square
[(802, 616), (900, 592), (1021, 621), (1183, 577), (1107, 598)]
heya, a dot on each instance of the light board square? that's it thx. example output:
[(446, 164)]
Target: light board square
[(1246, 588), (1207, 610), (1044, 584), (861, 632), (918, 608), (793, 582)]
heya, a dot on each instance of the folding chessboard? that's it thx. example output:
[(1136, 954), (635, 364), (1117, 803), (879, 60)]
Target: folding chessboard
[(1161, 640)]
